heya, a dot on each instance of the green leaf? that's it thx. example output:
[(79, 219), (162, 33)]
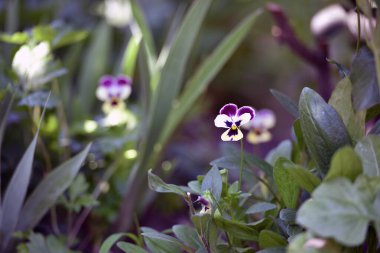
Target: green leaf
[(322, 138), (270, 239), (368, 149), (156, 184), (213, 182), (39, 98), (188, 235), (260, 207), (286, 102), (284, 149), (298, 245), (340, 210), (43, 33), (129, 248), (130, 56), (206, 72), (341, 101), (343, 71), (94, 65), (273, 250), (110, 241), (50, 244), (67, 37), (49, 189), (159, 242), (173, 71), (15, 38), (288, 215), (236, 229), (345, 163), (365, 89), (303, 177), (286, 185), (205, 225), (16, 191)]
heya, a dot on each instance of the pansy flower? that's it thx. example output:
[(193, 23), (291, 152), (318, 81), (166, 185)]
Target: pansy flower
[(113, 90), (259, 128), (232, 118)]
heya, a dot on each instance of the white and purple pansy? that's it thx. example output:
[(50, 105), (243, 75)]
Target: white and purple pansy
[(114, 90), (233, 118), (259, 128)]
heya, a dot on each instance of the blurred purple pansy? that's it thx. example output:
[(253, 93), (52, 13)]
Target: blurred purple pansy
[(114, 90), (233, 118), (259, 128)]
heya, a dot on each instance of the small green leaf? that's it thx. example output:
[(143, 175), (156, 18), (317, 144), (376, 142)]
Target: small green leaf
[(129, 248), (288, 215), (287, 186), (236, 229), (130, 56), (322, 138), (162, 243), (39, 98), (110, 241), (345, 163), (67, 37), (49, 189), (260, 207), (205, 225), (15, 38), (188, 235), (368, 149), (43, 33), (213, 182), (286, 102), (156, 184), (270, 239)]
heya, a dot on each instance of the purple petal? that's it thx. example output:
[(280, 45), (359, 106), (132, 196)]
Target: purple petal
[(229, 110), (123, 80), (106, 81), (246, 109)]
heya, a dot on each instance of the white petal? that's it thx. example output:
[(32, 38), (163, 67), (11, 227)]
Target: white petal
[(237, 137), (102, 93), (220, 121), (125, 91), (244, 118), (259, 138)]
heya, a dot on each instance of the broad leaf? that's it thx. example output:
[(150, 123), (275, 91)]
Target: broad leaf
[(284, 149), (368, 149), (236, 229), (345, 163), (286, 185), (340, 210), (130, 57), (260, 207), (322, 138), (129, 248), (162, 243), (286, 102), (39, 98), (47, 192), (110, 241), (365, 89), (156, 184), (15, 38), (270, 239), (213, 182), (341, 101), (188, 235), (288, 215)]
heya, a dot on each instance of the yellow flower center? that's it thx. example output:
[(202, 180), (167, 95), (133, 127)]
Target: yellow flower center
[(234, 127)]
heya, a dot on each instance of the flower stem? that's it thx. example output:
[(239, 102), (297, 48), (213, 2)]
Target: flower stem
[(241, 162)]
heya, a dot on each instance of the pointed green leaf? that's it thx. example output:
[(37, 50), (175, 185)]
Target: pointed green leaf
[(129, 248), (341, 101), (270, 239), (237, 229), (15, 38), (345, 163), (322, 138), (156, 184), (130, 56), (368, 149), (188, 235), (110, 241), (260, 207), (213, 182), (286, 102), (162, 243), (286, 185), (304, 178), (47, 192)]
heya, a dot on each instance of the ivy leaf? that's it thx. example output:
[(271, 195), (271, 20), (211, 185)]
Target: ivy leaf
[(341, 210), (322, 138)]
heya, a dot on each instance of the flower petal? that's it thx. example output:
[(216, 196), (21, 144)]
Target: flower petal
[(106, 81), (223, 120), (232, 135), (125, 92), (123, 80), (102, 93), (246, 109), (265, 119), (256, 138), (242, 119), (229, 110)]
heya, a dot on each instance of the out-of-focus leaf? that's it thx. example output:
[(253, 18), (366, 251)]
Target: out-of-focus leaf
[(39, 98), (50, 244), (286, 185), (49, 189), (343, 71), (188, 235), (270, 239), (297, 245), (365, 89), (341, 101), (345, 163), (298, 132), (213, 182), (110, 241), (288, 215), (130, 56), (322, 138), (94, 65), (303, 177), (368, 149), (273, 250), (284, 149), (162, 243), (206, 72), (129, 248), (340, 210), (205, 225), (67, 37), (237, 229), (156, 184), (43, 33), (15, 38), (260, 207), (286, 102)]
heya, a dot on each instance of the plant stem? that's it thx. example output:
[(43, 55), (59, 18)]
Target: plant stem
[(241, 162)]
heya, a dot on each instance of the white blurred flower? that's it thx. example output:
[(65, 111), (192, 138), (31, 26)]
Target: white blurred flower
[(259, 127), (30, 64), (117, 12)]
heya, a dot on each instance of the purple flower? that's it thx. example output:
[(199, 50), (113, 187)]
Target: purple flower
[(114, 90), (233, 118), (259, 128)]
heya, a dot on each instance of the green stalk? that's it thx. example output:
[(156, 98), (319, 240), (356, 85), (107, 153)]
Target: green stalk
[(241, 162)]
